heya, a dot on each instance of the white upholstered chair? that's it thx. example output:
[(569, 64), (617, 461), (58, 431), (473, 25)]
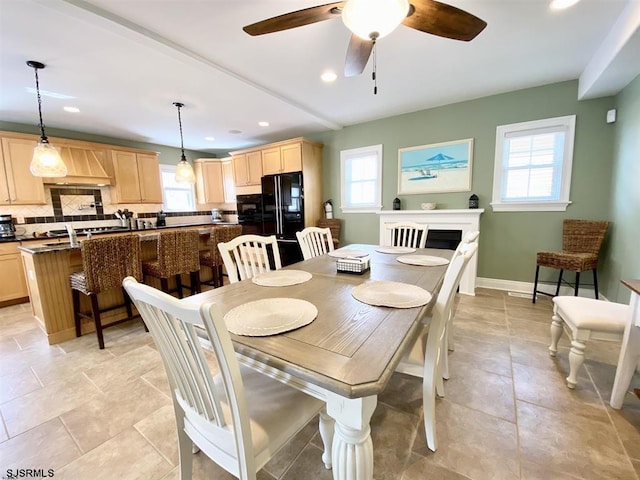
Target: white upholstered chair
[(587, 319), (424, 359), (407, 234), (315, 241), (248, 255), (238, 417)]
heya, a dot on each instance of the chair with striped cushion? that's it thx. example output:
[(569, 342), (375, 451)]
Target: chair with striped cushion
[(177, 254), (106, 263)]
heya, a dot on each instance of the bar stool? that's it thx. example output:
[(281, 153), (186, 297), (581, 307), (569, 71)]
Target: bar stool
[(177, 254), (106, 263), (211, 257)]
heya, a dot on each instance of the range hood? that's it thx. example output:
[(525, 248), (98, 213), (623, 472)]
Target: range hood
[(85, 167)]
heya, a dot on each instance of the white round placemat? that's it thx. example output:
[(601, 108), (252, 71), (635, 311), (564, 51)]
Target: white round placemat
[(347, 252), (281, 278), (391, 294), (270, 316), (423, 260), (395, 249)]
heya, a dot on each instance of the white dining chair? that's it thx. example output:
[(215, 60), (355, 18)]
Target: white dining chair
[(470, 237), (424, 358), (248, 255), (407, 234), (238, 417), (315, 241), (586, 319)]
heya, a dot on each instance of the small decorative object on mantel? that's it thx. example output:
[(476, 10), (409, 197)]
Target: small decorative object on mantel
[(397, 204), (473, 201)]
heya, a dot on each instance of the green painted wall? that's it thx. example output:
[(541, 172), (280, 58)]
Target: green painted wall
[(622, 259), (509, 240), (168, 155)]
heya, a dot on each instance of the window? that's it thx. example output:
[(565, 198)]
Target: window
[(176, 197), (533, 165), (361, 176)]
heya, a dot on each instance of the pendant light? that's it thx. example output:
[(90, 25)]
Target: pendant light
[(184, 170), (46, 161)]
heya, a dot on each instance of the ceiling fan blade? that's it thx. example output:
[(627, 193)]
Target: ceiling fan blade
[(443, 20), (358, 55), (295, 19)]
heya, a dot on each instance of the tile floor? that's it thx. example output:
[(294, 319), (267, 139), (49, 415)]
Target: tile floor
[(507, 414)]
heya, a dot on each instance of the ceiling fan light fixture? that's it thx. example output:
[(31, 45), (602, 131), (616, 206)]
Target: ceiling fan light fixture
[(373, 19), (46, 160), (184, 170)]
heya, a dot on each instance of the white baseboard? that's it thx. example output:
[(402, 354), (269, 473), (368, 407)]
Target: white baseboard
[(527, 287)]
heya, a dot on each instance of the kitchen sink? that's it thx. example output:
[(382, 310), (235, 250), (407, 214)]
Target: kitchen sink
[(58, 244)]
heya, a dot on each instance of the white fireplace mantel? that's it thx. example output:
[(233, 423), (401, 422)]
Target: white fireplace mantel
[(466, 220)]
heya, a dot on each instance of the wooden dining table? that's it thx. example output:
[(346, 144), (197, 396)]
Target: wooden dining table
[(348, 353)]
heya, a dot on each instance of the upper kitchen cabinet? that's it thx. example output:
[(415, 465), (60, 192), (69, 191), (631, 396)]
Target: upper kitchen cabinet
[(214, 181), (247, 168), (17, 185), (136, 176), (282, 158)]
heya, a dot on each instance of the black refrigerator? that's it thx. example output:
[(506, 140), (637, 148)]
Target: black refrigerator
[(282, 205), (283, 212)]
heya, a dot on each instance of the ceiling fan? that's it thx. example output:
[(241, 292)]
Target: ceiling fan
[(370, 20)]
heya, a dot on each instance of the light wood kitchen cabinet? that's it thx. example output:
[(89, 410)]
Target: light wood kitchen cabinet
[(214, 181), (247, 168), (282, 159), (209, 181), (136, 177), (13, 285), (228, 181), (17, 185)]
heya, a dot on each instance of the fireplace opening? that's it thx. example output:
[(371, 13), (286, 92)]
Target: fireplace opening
[(445, 239)]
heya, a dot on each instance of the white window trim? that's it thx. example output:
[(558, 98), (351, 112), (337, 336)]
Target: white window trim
[(172, 169), (568, 122), (356, 152)]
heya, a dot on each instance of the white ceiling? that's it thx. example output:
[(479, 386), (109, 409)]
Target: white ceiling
[(125, 62)]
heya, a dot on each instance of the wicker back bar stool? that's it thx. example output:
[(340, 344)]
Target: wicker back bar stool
[(333, 224), (177, 254), (106, 263), (581, 242), (211, 257)]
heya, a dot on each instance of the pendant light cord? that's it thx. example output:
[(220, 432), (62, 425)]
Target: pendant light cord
[(374, 76), (43, 137), (180, 123)]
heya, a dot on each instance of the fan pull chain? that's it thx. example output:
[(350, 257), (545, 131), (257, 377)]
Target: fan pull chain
[(373, 74)]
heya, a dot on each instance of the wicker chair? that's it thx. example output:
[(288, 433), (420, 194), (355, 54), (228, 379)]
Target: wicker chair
[(177, 254), (106, 263), (211, 257), (333, 224), (581, 242)]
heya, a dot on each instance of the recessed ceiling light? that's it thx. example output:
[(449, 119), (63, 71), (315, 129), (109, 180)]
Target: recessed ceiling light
[(71, 109), (562, 4), (329, 76), (263, 124), (210, 139), (235, 132)]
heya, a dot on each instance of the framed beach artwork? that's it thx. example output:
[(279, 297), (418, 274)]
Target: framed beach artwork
[(436, 168)]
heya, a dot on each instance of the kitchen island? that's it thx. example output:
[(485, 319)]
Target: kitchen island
[(48, 265)]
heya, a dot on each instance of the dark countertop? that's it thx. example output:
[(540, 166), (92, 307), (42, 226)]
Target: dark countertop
[(146, 234)]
